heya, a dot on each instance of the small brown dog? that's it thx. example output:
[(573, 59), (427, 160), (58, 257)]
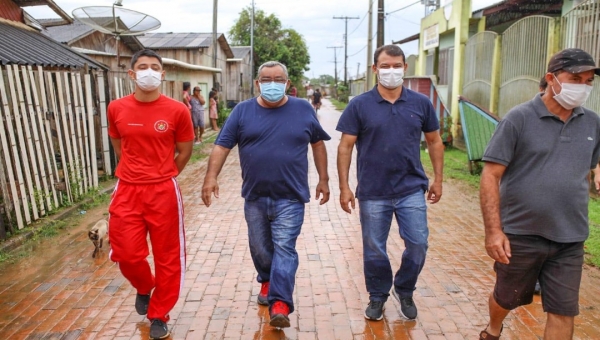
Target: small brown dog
[(97, 234)]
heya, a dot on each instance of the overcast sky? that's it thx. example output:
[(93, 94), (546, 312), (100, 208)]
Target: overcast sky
[(313, 19)]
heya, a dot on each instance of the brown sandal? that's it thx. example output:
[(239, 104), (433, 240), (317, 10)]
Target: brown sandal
[(484, 335)]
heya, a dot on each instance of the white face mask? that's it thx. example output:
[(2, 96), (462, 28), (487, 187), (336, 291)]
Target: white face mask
[(391, 78), (148, 80), (572, 95)]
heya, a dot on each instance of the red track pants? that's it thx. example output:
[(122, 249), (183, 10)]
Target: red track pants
[(137, 210)]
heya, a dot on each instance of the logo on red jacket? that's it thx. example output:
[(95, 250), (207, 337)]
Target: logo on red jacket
[(161, 126)]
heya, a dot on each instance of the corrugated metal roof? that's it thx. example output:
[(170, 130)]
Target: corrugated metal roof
[(66, 34), (25, 47), (69, 34), (240, 51), (176, 40)]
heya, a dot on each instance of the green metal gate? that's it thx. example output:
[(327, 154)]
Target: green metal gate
[(478, 125)]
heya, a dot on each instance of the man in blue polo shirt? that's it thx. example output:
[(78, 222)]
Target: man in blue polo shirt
[(534, 196), (273, 132), (386, 125)]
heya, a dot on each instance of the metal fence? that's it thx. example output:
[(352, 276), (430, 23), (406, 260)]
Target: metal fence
[(581, 29), (479, 59), (525, 48)]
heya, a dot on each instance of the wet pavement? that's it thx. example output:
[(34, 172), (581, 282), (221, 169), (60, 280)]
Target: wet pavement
[(61, 292)]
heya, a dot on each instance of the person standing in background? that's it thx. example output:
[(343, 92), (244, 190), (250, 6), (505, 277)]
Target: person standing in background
[(309, 94), (213, 114), (198, 102), (293, 91), (186, 95)]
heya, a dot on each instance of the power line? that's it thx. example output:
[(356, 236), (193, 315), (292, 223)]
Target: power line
[(335, 61), (405, 7), (352, 55), (346, 18), (357, 52), (398, 16), (360, 23)]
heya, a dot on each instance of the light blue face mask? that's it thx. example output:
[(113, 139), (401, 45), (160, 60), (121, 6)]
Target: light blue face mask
[(272, 92)]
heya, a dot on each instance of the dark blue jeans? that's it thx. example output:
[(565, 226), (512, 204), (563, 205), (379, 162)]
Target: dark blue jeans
[(273, 228), (376, 219)]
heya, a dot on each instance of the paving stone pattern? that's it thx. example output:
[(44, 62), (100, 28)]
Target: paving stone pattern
[(61, 292)]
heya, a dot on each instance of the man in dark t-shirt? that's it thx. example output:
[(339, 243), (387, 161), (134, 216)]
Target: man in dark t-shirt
[(316, 100), (272, 133)]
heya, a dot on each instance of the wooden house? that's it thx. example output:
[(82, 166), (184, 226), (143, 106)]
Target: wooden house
[(239, 75), (100, 46), (192, 59), (53, 140), (105, 48)]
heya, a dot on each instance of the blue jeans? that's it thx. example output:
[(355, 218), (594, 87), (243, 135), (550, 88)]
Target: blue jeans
[(273, 228), (376, 220)]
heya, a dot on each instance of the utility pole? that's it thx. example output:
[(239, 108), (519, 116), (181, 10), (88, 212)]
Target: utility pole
[(357, 70), (380, 23), (335, 61), (369, 80), (252, 51), (216, 84), (346, 47), (214, 32)]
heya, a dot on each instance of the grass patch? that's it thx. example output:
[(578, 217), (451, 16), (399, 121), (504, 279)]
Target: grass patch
[(50, 229), (592, 246), (47, 230), (20, 253), (94, 198), (456, 166), (201, 151), (340, 106)]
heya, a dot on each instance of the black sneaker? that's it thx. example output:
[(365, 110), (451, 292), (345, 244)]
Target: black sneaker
[(375, 310), (159, 330), (538, 289), (408, 309), (141, 304)]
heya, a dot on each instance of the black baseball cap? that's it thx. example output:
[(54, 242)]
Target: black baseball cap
[(572, 60)]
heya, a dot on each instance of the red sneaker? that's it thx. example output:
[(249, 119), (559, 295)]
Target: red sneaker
[(279, 315), (262, 296)]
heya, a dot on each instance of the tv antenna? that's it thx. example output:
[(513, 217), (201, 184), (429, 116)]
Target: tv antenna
[(117, 21)]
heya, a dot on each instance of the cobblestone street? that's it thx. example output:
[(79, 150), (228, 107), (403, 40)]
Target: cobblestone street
[(61, 292)]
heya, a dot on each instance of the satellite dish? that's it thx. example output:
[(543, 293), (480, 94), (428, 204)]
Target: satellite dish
[(116, 21)]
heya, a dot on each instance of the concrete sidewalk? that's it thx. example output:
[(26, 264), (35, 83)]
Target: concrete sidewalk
[(60, 292)]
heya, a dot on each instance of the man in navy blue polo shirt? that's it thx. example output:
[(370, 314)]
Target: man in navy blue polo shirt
[(273, 132), (386, 125)]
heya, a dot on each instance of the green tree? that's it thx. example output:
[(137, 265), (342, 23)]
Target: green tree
[(323, 79), (271, 42)]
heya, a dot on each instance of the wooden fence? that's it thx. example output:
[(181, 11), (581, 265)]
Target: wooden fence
[(52, 122)]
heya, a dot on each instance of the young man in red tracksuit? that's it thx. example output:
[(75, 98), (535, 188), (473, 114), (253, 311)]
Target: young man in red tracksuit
[(153, 138)]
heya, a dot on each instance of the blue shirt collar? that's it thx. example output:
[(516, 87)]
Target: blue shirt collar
[(403, 96)]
